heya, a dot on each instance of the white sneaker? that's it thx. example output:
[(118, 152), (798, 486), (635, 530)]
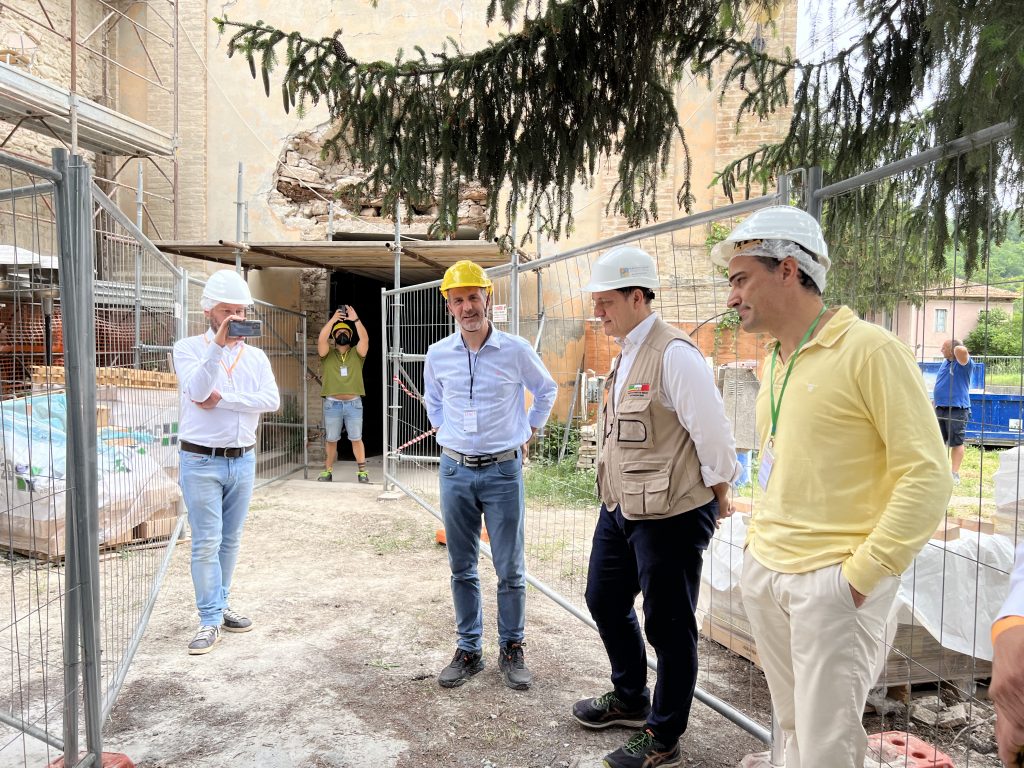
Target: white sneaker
[(956, 478), (756, 760)]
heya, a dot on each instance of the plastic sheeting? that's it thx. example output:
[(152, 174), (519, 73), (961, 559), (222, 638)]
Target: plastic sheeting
[(953, 589), (132, 485)]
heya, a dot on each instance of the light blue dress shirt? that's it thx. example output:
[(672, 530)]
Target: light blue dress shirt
[(499, 374)]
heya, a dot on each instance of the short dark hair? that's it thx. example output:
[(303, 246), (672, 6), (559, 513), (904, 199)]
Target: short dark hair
[(805, 280), (647, 292)]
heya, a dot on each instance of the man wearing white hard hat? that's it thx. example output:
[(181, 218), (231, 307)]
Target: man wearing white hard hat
[(663, 477), (225, 385), (855, 481)]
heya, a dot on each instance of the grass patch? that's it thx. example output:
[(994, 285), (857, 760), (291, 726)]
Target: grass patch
[(561, 484), (404, 537)]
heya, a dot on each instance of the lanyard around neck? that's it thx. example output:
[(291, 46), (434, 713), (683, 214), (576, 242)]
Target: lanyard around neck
[(469, 359), (776, 406), (238, 357)]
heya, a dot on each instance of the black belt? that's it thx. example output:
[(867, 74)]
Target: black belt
[(227, 453), (481, 461)]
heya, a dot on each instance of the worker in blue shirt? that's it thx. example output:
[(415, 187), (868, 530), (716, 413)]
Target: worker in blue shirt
[(474, 389), (952, 398)]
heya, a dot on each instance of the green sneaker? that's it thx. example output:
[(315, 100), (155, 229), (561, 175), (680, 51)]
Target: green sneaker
[(363, 477), (326, 476)]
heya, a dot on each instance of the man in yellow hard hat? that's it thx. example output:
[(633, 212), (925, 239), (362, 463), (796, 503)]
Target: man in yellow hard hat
[(474, 391)]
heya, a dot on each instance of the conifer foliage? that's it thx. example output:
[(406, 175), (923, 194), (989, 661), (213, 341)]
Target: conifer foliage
[(581, 80), (534, 111)]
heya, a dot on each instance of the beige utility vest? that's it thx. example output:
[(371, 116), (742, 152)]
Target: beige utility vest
[(649, 465)]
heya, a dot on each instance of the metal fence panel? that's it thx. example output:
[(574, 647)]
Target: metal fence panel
[(546, 303), (89, 313), (939, 632), (940, 627), (33, 500)]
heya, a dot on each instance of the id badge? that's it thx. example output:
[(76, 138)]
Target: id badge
[(764, 471), (229, 384), (469, 420), (343, 370)]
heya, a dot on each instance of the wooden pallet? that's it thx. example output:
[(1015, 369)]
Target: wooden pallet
[(54, 375)]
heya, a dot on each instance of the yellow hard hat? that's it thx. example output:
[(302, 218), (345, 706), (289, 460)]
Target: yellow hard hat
[(465, 274), (340, 326)]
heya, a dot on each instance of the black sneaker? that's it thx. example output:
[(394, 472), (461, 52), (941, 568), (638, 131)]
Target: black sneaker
[(235, 622), (205, 639), (514, 671), (464, 665), (644, 751), (607, 710)]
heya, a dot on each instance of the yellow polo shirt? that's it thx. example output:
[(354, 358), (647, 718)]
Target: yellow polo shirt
[(860, 474)]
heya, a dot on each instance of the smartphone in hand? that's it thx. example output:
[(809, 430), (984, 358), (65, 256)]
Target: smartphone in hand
[(250, 328)]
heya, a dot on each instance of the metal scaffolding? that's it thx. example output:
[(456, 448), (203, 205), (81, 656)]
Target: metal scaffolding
[(131, 49)]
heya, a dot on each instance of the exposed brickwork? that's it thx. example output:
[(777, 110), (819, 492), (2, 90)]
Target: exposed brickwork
[(726, 347)]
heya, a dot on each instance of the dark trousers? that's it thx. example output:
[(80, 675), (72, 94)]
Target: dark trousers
[(662, 559)]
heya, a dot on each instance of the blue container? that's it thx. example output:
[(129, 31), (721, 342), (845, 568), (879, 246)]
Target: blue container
[(996, 419), (744, 459)]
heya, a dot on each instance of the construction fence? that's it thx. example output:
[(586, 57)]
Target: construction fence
[(91, 509), (937, 660)]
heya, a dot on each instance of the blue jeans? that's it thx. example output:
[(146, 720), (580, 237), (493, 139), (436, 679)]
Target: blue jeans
[(343, 412), (217, 492), (495, 494), (662, 559)]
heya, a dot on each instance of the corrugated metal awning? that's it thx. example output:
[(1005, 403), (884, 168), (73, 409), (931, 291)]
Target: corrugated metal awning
[(422, 260)]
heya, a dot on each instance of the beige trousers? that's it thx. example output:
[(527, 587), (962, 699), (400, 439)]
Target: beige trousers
[(820, 655)]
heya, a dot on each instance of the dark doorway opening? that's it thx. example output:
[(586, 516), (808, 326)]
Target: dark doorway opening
[(363, 294)]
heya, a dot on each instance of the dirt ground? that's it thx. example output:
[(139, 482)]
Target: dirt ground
[(353, 621)]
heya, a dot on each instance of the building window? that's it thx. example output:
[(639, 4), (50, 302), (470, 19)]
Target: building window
[(940, 320)]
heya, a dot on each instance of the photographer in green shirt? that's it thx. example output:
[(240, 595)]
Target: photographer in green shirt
[(343, 388)]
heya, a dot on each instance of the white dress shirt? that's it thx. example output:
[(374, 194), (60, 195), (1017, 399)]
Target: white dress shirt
[(1014, 605), (243, 377), (688, 388)]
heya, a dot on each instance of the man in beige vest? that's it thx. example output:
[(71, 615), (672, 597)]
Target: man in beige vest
[(664, 473)]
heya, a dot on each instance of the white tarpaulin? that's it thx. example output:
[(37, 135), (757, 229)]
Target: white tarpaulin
[(953, 589)]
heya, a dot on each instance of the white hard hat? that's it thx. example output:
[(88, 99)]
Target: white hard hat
[(623, 266), (779, 222), (225, 286)]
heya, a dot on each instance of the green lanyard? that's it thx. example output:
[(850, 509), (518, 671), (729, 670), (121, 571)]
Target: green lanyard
[(776, 407)]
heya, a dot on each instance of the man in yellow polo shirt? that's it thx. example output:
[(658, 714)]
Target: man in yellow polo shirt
[(855, 481), (1007, 690)]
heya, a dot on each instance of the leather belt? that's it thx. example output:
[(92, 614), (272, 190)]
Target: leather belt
[(227, 453), (481, 461)]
